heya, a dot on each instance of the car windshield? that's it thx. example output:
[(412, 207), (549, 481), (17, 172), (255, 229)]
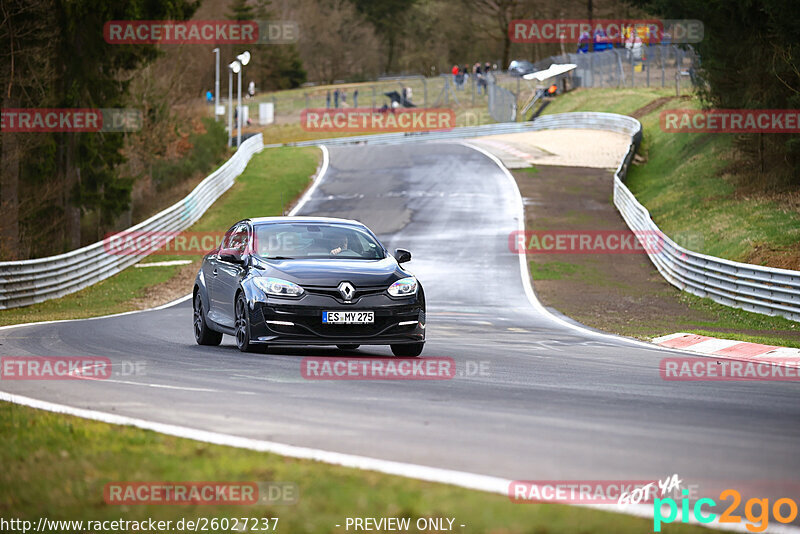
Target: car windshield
[(312, 240)]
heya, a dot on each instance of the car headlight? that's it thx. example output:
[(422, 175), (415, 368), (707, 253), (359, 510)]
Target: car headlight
[(405, 287), (278, 287)]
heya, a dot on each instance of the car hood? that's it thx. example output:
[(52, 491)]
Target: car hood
[(331, 272)]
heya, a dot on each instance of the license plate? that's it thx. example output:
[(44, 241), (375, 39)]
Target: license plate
[(348, 317)]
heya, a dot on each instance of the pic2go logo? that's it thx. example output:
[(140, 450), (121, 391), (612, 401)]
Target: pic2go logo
[(758, 522)]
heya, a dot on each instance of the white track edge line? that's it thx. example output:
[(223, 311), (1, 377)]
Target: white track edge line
[(463, 479), (159, 307), (525, 275), (317, 179)]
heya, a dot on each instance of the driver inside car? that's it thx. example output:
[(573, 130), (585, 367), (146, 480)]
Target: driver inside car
[(340, 247)]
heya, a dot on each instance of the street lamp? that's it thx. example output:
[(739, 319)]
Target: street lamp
[(233, 67), (216, 85), (242, 59)]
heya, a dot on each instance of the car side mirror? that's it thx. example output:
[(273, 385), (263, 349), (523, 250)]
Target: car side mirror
[(231, 256), (402, 255)]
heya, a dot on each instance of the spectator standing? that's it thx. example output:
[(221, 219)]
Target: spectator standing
[(355, 98), (344, 97), (336, 98), (488, 75), (328, 99)]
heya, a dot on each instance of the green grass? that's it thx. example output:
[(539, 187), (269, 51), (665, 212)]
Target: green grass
[(531, 169), (684, 183), (106, 297), (685, 187), (554, 270), (273, 178), (56, 466), (624, 101), (292, 131), (208, 149)]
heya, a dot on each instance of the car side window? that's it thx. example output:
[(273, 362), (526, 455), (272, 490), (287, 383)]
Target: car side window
[(239, 239), (226, 239), (235, 240)]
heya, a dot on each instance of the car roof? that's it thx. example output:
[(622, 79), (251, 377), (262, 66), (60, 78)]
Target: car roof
[(303, 219)]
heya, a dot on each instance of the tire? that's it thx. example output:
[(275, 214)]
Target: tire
[(347, 347), (242, 325), (202, 333), (408, 350)]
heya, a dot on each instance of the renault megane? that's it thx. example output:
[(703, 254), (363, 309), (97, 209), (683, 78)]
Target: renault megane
[(308, 281)]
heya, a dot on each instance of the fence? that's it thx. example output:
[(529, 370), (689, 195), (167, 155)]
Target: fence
[(30, 281), (754, 288), (502, 103), (649, 66), (765, 290)]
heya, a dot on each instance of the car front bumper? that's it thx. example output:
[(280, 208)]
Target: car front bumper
[(299, 322)]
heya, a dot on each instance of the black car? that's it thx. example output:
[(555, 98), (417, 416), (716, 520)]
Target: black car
[(308, 281)]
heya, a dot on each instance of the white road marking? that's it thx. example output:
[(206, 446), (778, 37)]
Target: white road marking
[(462, 479), (419, 472), (709, 346), (161, 307)]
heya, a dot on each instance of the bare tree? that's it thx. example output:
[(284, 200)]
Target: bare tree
[(500, 13), (24, 77), (335, 41)]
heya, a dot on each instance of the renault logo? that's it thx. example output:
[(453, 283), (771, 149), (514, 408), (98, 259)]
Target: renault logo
[(347, 290)]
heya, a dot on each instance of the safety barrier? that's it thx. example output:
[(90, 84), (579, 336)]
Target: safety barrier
[(754, 288), (29, 281)]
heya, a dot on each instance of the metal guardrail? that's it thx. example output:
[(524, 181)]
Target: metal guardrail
[(754, 288), (29, 281)]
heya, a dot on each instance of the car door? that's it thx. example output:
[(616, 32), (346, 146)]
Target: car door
[(211, 273), (229, 273)]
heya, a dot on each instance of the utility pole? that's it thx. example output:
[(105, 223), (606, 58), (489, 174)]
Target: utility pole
[(216, 85)]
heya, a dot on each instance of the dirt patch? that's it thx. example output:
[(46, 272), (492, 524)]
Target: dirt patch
[(176, 287), (655, 104), (782, 258), (584, 148), (621, 293)]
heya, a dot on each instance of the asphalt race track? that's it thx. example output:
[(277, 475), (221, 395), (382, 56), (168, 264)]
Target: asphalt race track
[(551, 402)]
